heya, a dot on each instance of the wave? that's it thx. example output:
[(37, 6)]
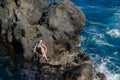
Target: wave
[(97, 23), (114, 33), (100, 39), (101, 64), (99, 50), (110, 76)]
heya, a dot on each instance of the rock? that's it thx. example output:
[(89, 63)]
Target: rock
[(69, 30), (67, 17), (67, 20), (38, 6), (22, 36), (22, 12), (101, 76), (29, 71), (81, 72), (9, 37), (20, 28), (13, 11), (47, 38), (0, 29), (56, 35), (24, 22)]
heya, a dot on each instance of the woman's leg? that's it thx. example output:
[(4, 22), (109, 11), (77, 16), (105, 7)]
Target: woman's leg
[(44, 54)]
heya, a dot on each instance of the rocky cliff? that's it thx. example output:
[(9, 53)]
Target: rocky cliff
[(24, 22)]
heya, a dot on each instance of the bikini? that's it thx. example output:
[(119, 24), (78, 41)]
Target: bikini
[(39, 45)]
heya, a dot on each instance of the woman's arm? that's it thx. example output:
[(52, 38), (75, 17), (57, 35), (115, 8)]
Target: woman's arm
[(34, 49)]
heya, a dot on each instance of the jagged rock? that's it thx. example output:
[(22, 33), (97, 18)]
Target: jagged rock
[(101, 76), (38, 6), (37, 10), (66, 20), (81, 72), (21, 33), (56, 35), (24, 22), (63, 69), (12, 11), (24, 41)]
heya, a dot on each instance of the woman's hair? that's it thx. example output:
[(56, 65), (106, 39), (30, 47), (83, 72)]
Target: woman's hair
[(42, 41)]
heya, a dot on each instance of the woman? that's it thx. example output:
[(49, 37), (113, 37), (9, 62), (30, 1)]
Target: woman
[(41, 47)]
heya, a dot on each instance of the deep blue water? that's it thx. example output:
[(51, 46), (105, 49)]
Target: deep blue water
[(101, 35)]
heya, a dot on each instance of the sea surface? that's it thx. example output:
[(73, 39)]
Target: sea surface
[(101, 35)]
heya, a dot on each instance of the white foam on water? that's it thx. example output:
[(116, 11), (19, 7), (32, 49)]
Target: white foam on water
[(114, 33), (100, 40), (82, 38), (102, 66), (110, 76), (114, 20), (97, 23), (115, 53)]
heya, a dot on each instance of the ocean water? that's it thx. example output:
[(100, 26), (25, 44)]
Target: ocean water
[(101, 35)]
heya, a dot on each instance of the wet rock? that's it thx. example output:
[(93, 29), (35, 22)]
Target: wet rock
[(101, 76)]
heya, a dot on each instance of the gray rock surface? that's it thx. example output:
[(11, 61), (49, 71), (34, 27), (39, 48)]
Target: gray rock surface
[(78, 72), (24, 22)]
